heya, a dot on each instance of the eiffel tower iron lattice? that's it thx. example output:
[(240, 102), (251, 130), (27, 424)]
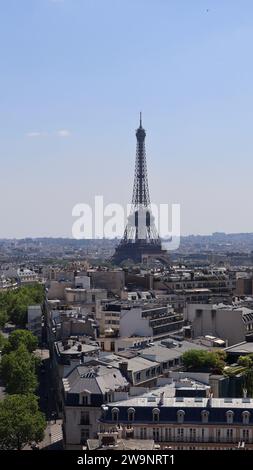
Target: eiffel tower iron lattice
[(140, 238)]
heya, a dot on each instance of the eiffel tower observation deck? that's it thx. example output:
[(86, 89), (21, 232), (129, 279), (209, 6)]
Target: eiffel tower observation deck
[(141, 239)]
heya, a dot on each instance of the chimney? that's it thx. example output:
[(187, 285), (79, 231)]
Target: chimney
[(161, 401)]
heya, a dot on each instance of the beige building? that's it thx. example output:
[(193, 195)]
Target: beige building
[(227, 322)]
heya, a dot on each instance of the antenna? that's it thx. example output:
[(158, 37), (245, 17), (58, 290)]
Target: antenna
[(140, 119)]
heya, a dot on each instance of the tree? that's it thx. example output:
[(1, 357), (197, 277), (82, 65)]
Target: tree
[(3, 317), (15, 302), (19, 337), (18, 371), (204, 360), (245, 361), (18, 313), (21, 422), (3, 341)]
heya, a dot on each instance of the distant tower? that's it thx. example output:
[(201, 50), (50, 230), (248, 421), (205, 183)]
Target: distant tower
[(140, 238)]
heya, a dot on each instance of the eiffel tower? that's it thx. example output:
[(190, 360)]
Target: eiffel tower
[(141, 239)]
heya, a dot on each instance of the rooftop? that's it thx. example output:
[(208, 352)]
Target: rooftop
[(96, 379), (72, 346)]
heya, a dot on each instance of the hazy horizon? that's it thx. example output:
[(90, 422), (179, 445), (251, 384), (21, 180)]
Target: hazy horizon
[(74, 76)]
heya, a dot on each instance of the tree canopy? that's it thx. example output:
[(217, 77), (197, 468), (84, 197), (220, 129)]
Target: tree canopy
[(19, 337), (21, 422), (3, 317), (245, 361), (14, 303), (18, 371), (3, 341), (200, 360)]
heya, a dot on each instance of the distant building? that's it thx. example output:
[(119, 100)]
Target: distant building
[(129, 318), (80, 296), (224, 321), (111, 280), (244, 286), (27, 276), (82, 282)]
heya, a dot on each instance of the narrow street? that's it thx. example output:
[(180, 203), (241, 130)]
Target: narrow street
[(53, 433)]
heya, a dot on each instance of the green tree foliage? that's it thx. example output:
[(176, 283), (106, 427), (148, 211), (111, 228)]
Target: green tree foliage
[(21, 422), (204, 360), (15, 302), (19, 337), (3, 317), (245, 361), (18, 371), (2, 341)]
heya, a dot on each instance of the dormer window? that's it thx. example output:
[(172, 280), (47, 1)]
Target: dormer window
[(180, 416), (156, 413), (115, 414), (230, 417), (85, 399), (204, 416), (130, 414), (245, 417)]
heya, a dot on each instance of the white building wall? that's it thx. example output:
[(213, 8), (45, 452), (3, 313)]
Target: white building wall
[(73, 427), (220, 322), (83, 281), (132, 323)]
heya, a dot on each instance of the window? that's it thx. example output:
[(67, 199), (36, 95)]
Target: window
[(85, 417), (245, 417), (130, 414), (156, 434), (147, 373), (180, 434), (85, 434), (229, 435), (245, 435), (156, 413), (93, 299), (192, 435), (168, 434), (115, 414), (204, 416), (180, 416), (85, 400), (138, 376), (143, 433), (109, 397), (230, 416)]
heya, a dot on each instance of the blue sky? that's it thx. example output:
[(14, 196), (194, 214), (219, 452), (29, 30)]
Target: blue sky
[(74, 75)]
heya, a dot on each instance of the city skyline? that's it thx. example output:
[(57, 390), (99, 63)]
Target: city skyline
[(75, 76)]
